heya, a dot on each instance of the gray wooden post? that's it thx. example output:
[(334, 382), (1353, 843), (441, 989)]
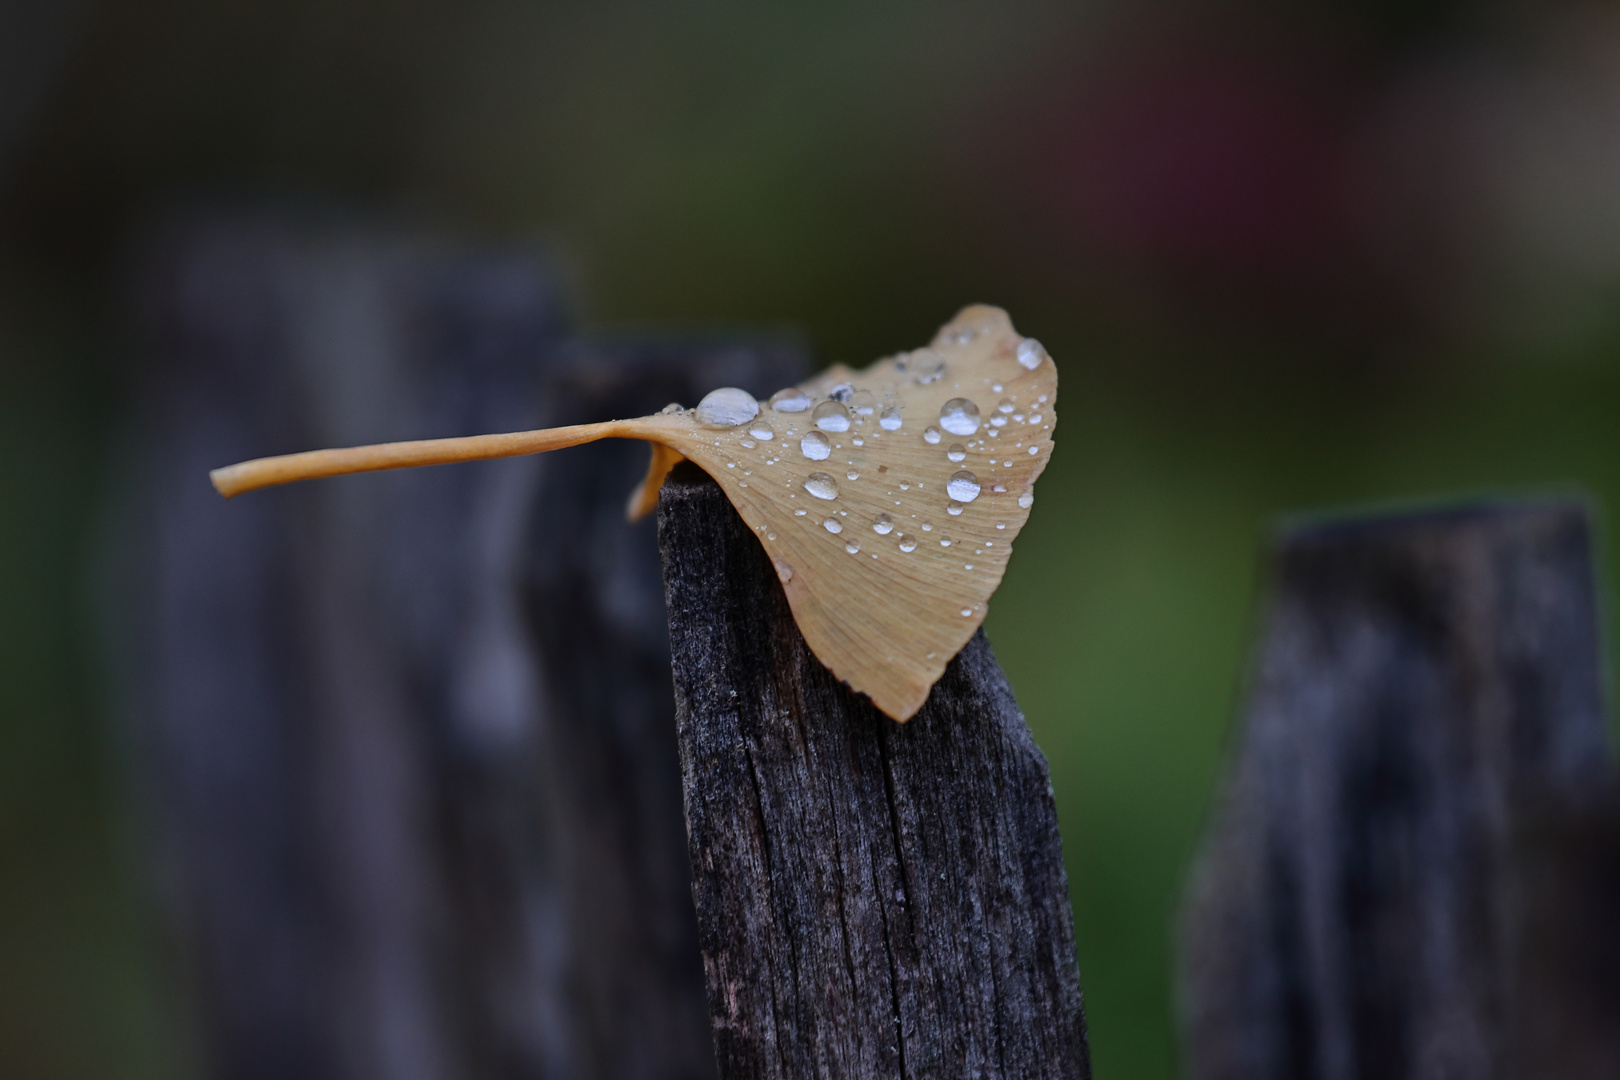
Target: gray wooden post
[(1421, 681), (873, 900)]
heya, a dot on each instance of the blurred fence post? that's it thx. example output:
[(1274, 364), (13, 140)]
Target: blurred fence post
[(873, 899), (406, 740), (1423, 683)]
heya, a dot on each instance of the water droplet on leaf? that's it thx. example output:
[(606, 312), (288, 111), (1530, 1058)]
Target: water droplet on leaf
[(821, 485), (726, 408), (963, 486), (957, 452), (790, 400), (959, 416), (889, 419), (831, 416), (815, 446), (1031, 353)]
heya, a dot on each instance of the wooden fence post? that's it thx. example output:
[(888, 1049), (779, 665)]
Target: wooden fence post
[(1421, 681), (874, 900)]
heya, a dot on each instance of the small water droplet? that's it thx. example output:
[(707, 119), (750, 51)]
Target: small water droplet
[(821, 485), (1031, 353), (1001, 524), (962, 486), (998, 421), (762, 431), (931, 434), (959, 416), (726, 408), (842, 391), (672, 408), (783, 571), (852, 546), (731, 464), (995, 388), (1006, 464), (862, 402), (926, 366), (1034, 450), (833, 525), (800, 513), (967, 613), (770, 536), (748, 444), (815, 446), (858, 442), (928, 526), (884, 525), (907, 543), (790, 400), (944, 541), (967, 566), (957, 452), (904, 486), (831, 416), (853, 475), (1005, 406), (954, 508), (1026, 500), (889, 419), (999, 490)]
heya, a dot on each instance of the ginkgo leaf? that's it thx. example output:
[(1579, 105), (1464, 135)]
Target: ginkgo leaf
[(887, 499)]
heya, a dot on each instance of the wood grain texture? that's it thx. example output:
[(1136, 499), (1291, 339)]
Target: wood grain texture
[(874, 900), (1420, 680)]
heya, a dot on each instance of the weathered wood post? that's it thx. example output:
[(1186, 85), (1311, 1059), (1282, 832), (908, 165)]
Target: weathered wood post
[(873, 899), (1421, 681)]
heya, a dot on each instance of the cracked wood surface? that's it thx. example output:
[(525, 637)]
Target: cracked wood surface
[(873, 899)]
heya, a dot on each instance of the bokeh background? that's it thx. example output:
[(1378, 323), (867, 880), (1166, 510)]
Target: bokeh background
[(1287, 257)]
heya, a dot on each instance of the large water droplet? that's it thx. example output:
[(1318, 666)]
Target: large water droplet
[(889, 419), (884, 525), (821, 485), (926, 366), (959, 416), (957, 452), (726, 408), (831, 416), (815, 446), (963, 486), (907, 543), (931, 434), (759, 429), (862, 402), (1026, 500), (833, 525), (1031, 353), (790, 400)]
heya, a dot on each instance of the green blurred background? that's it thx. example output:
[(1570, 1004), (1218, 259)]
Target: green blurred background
[(1286, 256)]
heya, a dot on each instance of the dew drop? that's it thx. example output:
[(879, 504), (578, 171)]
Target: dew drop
[(762, 431), (1001, 524), (1034, 450), (928, 526), (907, 543), (748, 444), (831, 416), (998, 421), (957, 452), (1006, 406), (815, 446), (784, 572), (790, 400), (884, 525), (926, 366), (1031, 353), (889, 419), (672, 408), (726, 408), (833, 525), (862, 402), (959, 416), (954, 508), (852, 546), (931, 434), (821, 485), (944, 541), (967, 613), (963, 486), (853, 475), (1026, 500)]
